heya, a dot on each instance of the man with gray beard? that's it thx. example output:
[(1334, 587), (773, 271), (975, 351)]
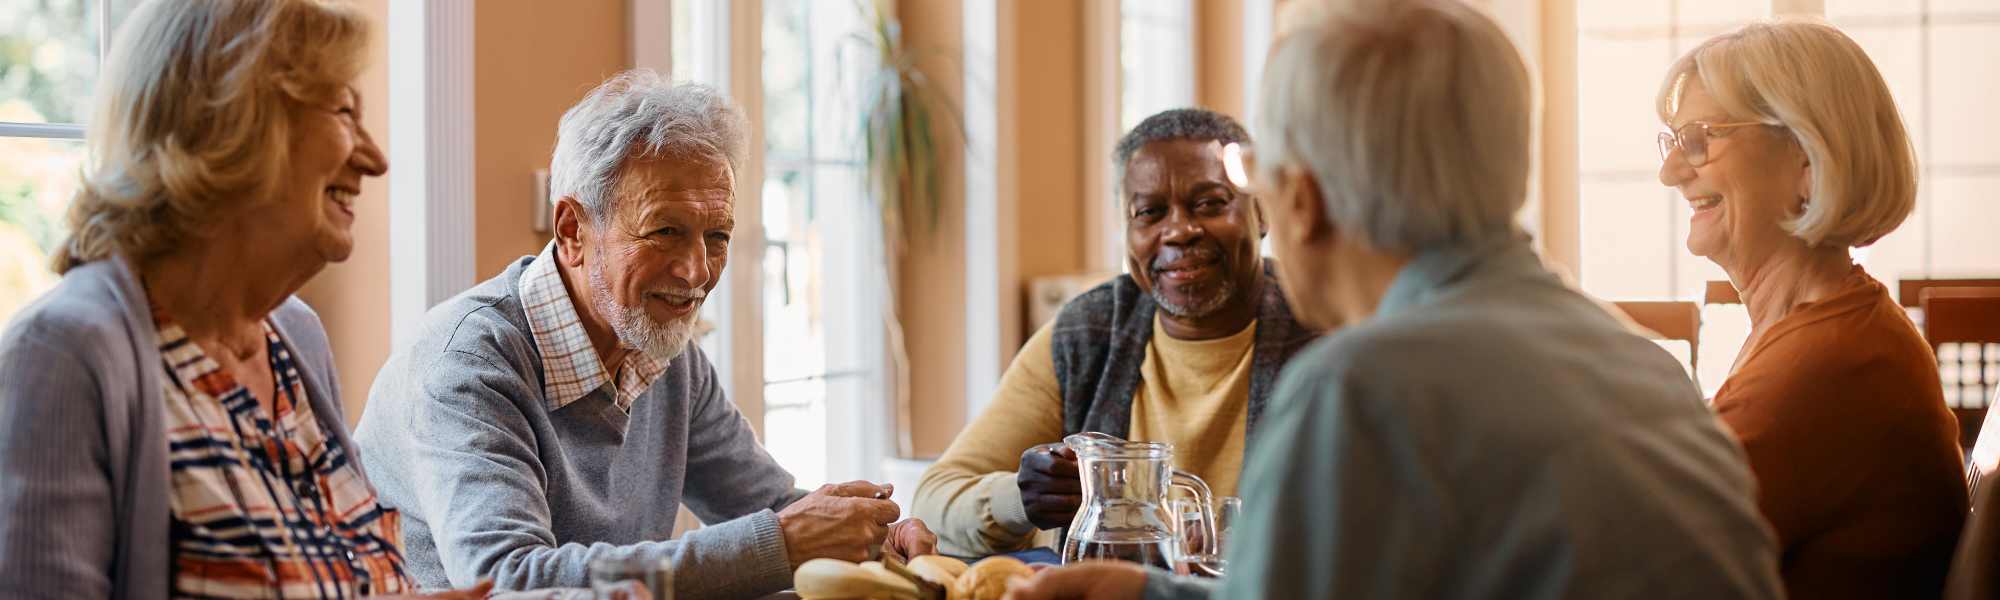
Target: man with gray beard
[(1184, 349), (557, 414)]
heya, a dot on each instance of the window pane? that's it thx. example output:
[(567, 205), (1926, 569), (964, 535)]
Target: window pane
[(794, 430), (1155, 63), (1626, 237), (1595, 14), (787, 101), (37, 178), (1962, 7), (1967, 226), (1728, 13), (843, 60), (1875, 8), (1963, 85), (1901, 253), (793, 347), (1618, 79), (681, 40), (48, 60), (1897, 51)]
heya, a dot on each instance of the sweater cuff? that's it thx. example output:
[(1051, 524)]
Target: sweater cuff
[(1003, 499), (741, 557), (1161, 585), (772, 560)]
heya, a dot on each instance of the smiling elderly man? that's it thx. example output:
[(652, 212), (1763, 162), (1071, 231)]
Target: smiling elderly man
[(557, 414), (1182, 350)]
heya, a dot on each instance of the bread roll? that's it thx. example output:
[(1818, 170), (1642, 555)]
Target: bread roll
[(987, 579)]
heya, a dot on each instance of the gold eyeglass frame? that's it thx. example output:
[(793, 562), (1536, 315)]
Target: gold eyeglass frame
[(1670, 139)]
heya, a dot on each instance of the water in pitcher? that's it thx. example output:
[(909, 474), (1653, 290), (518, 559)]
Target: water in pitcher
[(1150, 548)]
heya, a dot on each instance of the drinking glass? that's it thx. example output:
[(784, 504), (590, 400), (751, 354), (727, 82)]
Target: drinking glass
[(1198, 557), (612, 578)]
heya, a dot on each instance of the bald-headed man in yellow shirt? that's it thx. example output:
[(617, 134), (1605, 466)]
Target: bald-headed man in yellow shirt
[(1184, 349)]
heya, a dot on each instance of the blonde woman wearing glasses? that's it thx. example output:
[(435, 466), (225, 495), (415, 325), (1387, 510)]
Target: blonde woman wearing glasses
[(1784, 140)]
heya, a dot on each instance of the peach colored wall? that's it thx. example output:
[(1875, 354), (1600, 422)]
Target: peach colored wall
[(1048, 139), (353, 297), (932, 294), (1218, 32), (533, 60)]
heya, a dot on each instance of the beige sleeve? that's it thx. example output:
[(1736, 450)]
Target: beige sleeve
[(969, 497)]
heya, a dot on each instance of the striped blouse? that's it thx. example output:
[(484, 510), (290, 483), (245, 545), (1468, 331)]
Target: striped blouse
[(264, 504)]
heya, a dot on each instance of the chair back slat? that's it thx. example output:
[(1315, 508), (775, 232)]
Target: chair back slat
[(1967, 319), (1911, 291)]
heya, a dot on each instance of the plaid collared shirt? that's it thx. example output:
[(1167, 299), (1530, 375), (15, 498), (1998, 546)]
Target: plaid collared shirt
[(264, 504), (570, 367)]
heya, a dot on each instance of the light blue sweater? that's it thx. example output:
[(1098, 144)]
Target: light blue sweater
[(1491, 433), (83, 446), (492, 483)]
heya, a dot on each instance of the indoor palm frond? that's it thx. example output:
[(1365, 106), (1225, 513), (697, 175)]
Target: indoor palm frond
[(904, 121)]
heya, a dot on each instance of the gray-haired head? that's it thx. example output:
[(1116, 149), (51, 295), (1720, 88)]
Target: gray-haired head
[(1411, 115), (639, 114), (1197, 124)]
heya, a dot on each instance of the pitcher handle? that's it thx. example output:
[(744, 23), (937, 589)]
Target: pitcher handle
[(1204, 504)]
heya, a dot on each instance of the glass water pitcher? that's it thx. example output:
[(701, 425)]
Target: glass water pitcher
[(1125, 514)]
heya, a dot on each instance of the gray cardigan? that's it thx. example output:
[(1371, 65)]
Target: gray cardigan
[(83, 452)]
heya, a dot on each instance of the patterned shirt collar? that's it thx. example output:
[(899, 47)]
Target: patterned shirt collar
[(571, 369)]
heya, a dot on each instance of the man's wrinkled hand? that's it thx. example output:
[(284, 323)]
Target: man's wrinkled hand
[(908, 539), (1050, 489), (840, 521)]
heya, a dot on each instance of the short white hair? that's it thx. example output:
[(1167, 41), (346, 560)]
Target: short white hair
[(639, 114), (1815, 82), (1413, 116)]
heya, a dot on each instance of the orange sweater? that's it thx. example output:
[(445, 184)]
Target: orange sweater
[(1858, 466)]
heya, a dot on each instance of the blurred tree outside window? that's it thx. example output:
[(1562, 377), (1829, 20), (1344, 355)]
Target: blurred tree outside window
[(49, 58)]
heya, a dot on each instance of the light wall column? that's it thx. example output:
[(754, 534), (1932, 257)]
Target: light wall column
[(432, 153), (992, 291)]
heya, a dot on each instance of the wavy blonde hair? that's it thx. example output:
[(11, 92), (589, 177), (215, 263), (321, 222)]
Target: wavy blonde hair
[(1816, 83), (193, 116)]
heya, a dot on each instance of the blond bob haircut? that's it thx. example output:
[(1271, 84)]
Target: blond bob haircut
[(1814, 82), (1412, 115), (193, 113)]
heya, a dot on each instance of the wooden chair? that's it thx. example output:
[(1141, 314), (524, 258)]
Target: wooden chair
[(1910, 291), (1968, 317), (1671, 320), (1720, 292), (1975, 571)]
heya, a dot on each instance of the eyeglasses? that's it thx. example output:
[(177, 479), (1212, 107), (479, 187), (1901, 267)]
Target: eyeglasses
[(1692, 140)]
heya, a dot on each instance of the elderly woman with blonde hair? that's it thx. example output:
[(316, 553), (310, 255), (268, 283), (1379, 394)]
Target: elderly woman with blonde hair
[(1477, 429), (1784, 139), (170, 421)]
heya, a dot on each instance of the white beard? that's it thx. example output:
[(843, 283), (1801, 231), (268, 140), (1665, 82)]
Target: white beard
[(636, 329)]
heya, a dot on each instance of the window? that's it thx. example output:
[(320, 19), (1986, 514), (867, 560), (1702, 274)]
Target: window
[(1155, 59), (821, 259), (50, 52), (1937, 57)]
